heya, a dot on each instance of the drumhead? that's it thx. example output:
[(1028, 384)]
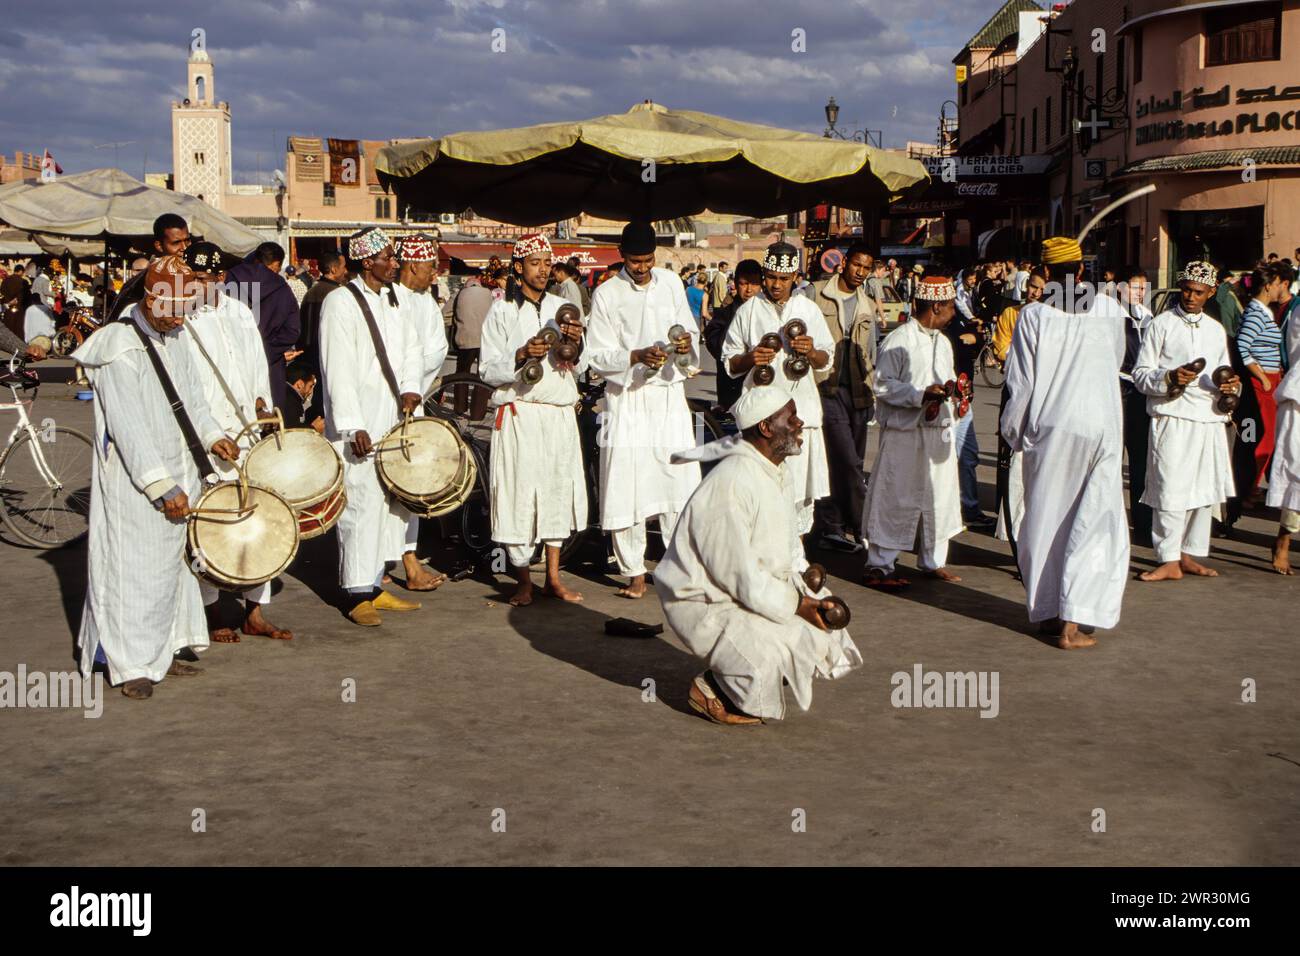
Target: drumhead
[(244, 550), (302, 466), (425, 466)]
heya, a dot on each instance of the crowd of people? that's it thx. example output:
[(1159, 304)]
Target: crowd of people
[(204, 342)]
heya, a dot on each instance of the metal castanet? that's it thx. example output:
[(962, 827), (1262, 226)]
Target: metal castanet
[(837, 615), (765, 374), (1227, 402), (426, 466), (932, 405), (1195, 365), (796, 365), (241, 535)]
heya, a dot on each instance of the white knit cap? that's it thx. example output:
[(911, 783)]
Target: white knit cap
[(759, 404)]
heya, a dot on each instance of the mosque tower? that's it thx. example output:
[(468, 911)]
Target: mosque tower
[(201, 132)]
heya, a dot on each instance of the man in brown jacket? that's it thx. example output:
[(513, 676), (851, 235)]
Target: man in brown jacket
[(847, 400)]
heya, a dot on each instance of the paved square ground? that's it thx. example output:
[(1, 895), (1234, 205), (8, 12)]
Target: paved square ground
[(470, 707)]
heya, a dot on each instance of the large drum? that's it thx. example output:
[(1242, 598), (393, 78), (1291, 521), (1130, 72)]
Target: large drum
[(426, 466), (303, 468), (241, 535)]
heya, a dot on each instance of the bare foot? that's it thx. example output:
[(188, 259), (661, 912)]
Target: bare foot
[(256, 625), (223, 635), (634, 589), (1051, 627), (418, 577), (1191, 566), (1281, 554), (557, 590), (943, 574), (1169, 571), (386, 579), (523, 595), (141, 688), (1071, 639)]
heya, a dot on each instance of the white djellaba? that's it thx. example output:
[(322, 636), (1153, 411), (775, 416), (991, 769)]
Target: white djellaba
[(142, 601), (1064, 413)]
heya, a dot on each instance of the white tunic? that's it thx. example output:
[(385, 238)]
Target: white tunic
[(730, 590), (914, 480), (372, 529), (646, 418), (1188, 465), (142, 602), (537, 487), (1284, 477), (231, 339), (807, 474), (424, 318), (1064, 412)]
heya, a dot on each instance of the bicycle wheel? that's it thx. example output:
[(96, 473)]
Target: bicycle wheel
[(991, 370), (35, 510)]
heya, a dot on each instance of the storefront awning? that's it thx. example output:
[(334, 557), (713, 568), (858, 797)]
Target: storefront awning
[(1213, 159)]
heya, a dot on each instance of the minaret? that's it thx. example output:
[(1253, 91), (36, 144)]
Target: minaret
[(201, 133)]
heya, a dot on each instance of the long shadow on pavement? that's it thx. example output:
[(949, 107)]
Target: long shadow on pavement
[(69, 566), (575, 634)]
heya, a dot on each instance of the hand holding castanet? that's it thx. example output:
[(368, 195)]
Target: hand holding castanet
[(175, 509)]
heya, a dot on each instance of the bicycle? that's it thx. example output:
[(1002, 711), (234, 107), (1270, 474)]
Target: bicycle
[(46, 472), (990, 370)]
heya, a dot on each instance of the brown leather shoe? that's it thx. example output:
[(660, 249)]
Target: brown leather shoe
[(709, 705), (365, 615), (182, 669), (391, 602)]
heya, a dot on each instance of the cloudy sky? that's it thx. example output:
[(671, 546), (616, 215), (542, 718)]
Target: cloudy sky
[(76, 75)]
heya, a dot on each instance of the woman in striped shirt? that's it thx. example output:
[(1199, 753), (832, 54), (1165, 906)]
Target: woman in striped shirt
[(1259, 341)]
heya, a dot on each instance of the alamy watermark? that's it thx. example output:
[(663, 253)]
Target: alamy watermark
[(55, 689), (954, 689)]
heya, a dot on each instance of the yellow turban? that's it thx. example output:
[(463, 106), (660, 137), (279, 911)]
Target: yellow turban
[(1058, 249)]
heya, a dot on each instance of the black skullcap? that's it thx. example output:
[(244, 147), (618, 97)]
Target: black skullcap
[(638, 239)]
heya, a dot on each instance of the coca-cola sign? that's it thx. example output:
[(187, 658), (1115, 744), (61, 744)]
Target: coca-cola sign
[(977, 189)]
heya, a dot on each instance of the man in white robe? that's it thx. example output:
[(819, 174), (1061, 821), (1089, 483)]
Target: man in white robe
[(537, 487), (1189, 468), (360, 409), (729, 583), (914, 498), (1063, 411), (143, 604), (806, 475), (646, 416), (419, 258), (1284, 476), (222, 332)]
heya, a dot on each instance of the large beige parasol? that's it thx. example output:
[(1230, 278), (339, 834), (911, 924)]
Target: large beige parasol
[(648, 163)]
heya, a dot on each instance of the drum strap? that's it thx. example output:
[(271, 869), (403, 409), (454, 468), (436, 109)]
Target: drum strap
[(381, 353), (192, 440)]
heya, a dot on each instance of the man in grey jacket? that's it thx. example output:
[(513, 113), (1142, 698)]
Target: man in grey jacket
[(847, 401)]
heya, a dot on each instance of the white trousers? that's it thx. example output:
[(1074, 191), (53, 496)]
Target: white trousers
[(1175, 533), (521, 555), (929, 559), (412, 533), (629, 543), (258, 595), (1290, 521)]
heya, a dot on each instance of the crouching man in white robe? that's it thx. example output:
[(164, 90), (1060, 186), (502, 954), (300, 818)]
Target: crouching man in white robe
[(1284, 476), (142, 603), (647, 418), (729, 585), (419, 258), (537, 488), (1063, 411), (360, 409), (914, 498), (807, 475), (1189, 471), (227, 348)]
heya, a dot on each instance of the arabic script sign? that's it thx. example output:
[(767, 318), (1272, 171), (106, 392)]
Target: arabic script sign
[(1166, 129)]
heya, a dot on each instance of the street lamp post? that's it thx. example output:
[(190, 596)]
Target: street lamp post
[(832, 110)]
